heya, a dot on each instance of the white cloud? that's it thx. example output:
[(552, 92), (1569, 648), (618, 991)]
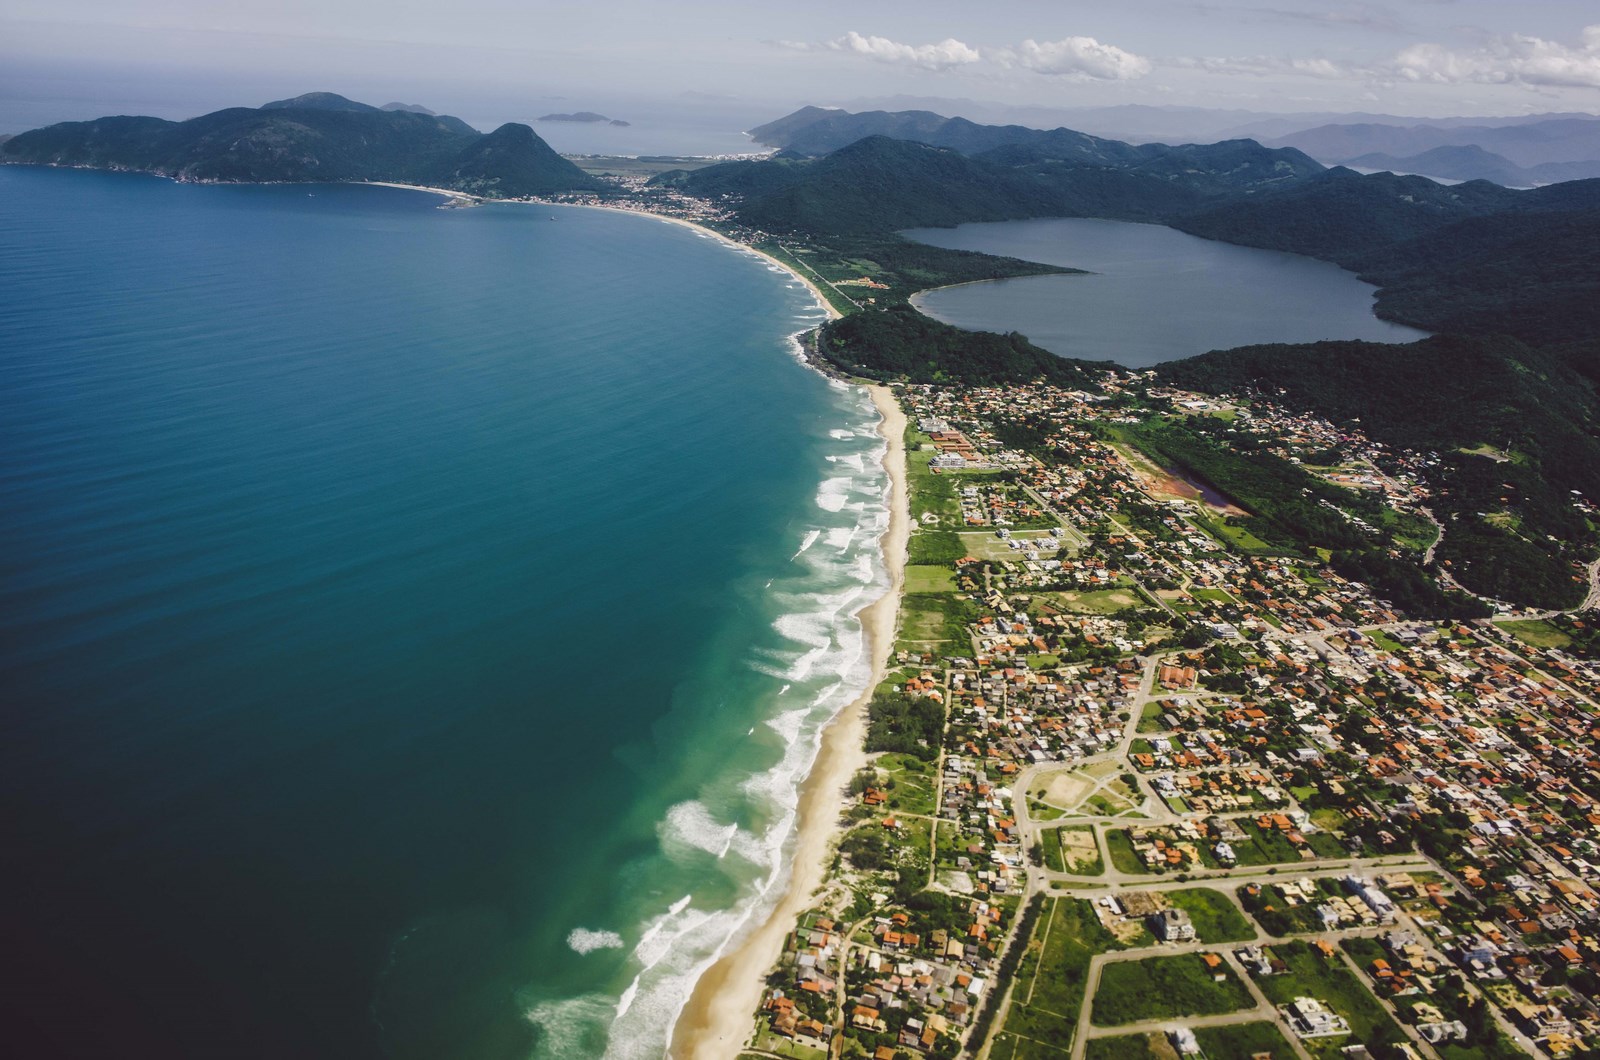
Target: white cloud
[(1079, 58), (1507, 60), (946, 54), (1266, 66)]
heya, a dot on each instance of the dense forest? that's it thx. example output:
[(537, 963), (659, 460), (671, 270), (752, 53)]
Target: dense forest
[(902, 343)]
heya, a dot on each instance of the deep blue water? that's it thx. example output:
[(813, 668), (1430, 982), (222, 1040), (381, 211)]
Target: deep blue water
[(403, 644), (1154, 294)]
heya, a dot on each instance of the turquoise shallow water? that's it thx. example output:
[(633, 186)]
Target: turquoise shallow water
[(413, 622)]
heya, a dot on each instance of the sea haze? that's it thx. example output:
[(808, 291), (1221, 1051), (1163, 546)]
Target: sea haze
[(1155, 294), (414, 622)]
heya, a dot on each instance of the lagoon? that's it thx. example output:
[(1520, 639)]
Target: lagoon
[(1154, 294)]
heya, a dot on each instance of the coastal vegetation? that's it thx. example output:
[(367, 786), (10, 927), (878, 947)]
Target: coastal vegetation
[(902, 343), (1523, 400)]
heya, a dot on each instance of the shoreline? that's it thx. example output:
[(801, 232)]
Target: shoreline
[(719, 1016)]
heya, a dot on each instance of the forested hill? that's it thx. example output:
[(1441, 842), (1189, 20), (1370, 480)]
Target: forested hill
[(319, 136), (1476, 257), (879, 184), (1516, 428)]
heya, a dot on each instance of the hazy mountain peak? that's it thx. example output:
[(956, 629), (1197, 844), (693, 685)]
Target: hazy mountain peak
[(318, 101)]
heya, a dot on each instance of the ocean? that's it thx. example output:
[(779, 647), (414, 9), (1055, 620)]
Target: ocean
[(414, 623)]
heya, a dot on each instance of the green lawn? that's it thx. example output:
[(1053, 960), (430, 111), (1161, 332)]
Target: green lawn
[(1537, 633), (1150, 717), (1328, 980), (1122, 854), (1165, 988), (1386, 642), (1242, 1040), (924, 579), (1122, 1047), (1215, 918)]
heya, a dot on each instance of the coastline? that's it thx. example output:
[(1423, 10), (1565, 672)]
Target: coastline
[(719, 1016)]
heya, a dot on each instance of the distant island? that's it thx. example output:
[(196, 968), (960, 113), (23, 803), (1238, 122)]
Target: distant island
[(320, 137), (586, 116)]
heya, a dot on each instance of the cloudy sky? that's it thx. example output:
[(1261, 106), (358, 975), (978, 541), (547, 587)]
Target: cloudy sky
[(1417, 57)]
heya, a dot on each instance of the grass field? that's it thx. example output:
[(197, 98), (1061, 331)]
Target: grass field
[(1165, 988), (1122, 853), (1215, 918), (1095, 601), (1050, 981), (921, 579), (1537, 633), (1328, 980), (1242, 1040)]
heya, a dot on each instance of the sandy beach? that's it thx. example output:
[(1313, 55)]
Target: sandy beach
[(719, 1015)]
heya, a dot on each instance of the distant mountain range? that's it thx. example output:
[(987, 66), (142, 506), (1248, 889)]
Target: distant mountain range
[(1515, 152), (319, 136), (1143, 123), (1534, 152), (1475, 257), (815, 131)]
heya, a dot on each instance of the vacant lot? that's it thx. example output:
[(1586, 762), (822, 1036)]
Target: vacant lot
[(1166, 988), (1215, 918)]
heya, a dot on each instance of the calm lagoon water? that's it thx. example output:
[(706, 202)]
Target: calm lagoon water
[(1155, 294), (413, 622)]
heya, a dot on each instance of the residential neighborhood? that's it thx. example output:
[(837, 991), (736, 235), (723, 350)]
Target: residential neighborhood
[(1146, 784)]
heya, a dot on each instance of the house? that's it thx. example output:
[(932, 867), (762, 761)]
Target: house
[(1310, 1018), (1172, 925)]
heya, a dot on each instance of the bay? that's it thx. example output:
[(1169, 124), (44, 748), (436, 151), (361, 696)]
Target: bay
[(1153, 294), (413, 622)]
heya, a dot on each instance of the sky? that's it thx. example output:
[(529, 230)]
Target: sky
[(498, 60)]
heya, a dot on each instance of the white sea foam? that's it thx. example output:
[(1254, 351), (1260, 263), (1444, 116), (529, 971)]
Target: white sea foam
[(583, 940), (833, 493), (817, 655), (807, 541), (690, 826), (571, 1026), (850, 460)]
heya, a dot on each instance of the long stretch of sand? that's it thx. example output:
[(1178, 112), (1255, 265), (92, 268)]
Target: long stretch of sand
[(719, 1016)]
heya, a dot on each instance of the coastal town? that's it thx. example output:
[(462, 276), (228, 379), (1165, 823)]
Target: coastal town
[(1144, 781), (1142, 784)]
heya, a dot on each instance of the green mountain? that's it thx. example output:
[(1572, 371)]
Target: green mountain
[(315, 137), (880, 185), (1510, 529)]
